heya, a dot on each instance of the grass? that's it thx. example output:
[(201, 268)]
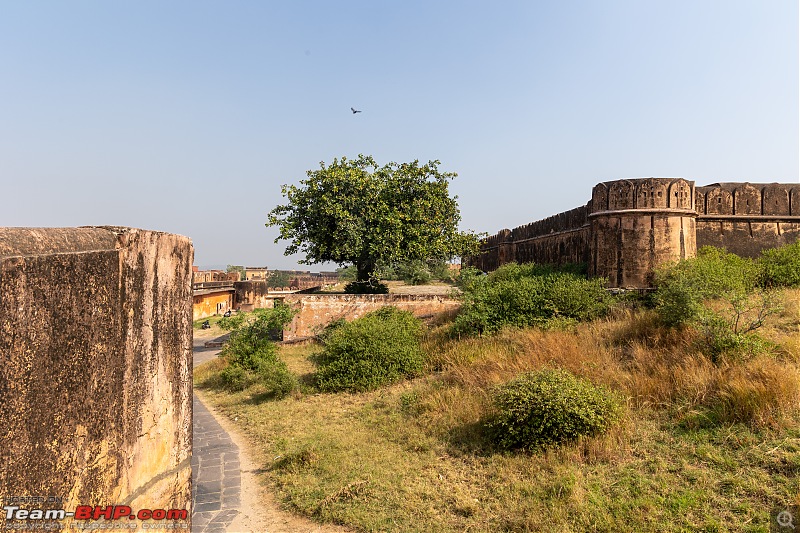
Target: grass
[(702, 447)]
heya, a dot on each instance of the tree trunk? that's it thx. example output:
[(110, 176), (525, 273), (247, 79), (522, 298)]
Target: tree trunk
[(365, 270)]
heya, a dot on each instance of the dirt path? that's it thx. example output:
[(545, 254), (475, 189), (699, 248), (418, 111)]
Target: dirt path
[(259, 512)]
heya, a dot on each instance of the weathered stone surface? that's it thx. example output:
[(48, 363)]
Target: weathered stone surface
[(315, 311), (630, 227), (95, 382)]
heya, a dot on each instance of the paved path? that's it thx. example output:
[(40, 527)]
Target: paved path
[(216, 473)]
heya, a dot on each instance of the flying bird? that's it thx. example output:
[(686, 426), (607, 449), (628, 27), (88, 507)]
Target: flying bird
[(354, 110)]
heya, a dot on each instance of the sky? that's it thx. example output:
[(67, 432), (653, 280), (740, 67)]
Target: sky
[(187, 116)]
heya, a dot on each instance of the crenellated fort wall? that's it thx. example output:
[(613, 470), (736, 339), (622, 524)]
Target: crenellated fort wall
[(629, 227)]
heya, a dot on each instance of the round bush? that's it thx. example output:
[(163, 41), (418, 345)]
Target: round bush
[(379, 348), (550, 407)]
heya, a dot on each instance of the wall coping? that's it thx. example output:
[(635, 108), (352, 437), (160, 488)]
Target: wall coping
[(22, 242), (365, 297), (752, 218), (648, 210)]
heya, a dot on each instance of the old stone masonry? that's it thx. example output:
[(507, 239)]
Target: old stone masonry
[(631, 226)]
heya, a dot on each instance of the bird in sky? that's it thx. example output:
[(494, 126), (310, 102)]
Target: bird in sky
[(354, 110)]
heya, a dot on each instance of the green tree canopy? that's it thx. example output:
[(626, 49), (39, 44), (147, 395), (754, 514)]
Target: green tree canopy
[(355, 212)]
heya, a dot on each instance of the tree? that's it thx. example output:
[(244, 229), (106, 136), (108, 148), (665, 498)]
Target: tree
[(278, 279), (236, 268), (355, 212)]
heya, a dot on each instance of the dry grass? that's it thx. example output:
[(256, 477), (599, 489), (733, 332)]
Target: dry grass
[(702, 446)]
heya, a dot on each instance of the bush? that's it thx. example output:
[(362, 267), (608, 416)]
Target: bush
[(377, 349), (527, 295), (348, 273), (780, 267), (253, 358), (714, 273), (414, 272), (550, 407), (232, 322), (719, 293)]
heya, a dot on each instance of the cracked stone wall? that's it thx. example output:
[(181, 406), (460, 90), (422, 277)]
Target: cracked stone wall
[(95, 380)]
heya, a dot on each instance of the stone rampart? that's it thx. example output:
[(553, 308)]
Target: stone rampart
[(559, 239), (745, 218), (631, 226), (315, 311), (95, 380)]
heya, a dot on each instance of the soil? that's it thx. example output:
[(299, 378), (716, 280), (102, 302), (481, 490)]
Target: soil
[(259, 511)]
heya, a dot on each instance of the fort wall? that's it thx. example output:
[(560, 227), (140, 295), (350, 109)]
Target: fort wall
[(95, 380), (315, 311), (746, 218), (630, 227)]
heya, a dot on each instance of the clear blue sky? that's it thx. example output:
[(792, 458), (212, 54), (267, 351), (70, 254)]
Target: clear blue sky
[(187, 117)]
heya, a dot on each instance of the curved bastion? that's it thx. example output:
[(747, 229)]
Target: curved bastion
[(632, 226)]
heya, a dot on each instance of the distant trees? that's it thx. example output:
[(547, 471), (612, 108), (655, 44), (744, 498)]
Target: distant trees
[(278, 279), (236, 268)]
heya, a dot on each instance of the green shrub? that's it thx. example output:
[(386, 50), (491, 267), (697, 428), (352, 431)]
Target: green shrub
[(379, 348), (713, 274), (253, 358), (348, 273), (236, 378), (550, 407), (717, 292), (468, 278), (232, 322), (414, 272), (527, 295), (780, 267)]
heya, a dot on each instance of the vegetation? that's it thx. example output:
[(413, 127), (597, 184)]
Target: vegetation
[(348, 273), (525, 429), (236, 268), (278, 279), (723, 295), (418, 272), (356, 212), (699, 447), (549, 407), (252, 357), (527, 295), (377, 349), (366, 287), (781, 266)]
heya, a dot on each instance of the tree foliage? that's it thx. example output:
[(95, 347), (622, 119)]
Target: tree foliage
[(277, 279), (356, 212), (236, 268)]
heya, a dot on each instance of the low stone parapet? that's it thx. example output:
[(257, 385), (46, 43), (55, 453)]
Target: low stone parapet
[(315, 311)]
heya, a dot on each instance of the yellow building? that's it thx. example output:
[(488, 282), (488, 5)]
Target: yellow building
[(209, 302)]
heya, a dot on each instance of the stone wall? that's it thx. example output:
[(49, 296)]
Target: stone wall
[(253, 292), (95, 380), (559, 239), (746, 218), (631, 226), (315, 311), (637, 225)]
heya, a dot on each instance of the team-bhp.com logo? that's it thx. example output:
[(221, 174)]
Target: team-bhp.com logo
[(97, 517)]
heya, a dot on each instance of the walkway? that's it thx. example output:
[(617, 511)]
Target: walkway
[(216, 478), (225, 490)]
